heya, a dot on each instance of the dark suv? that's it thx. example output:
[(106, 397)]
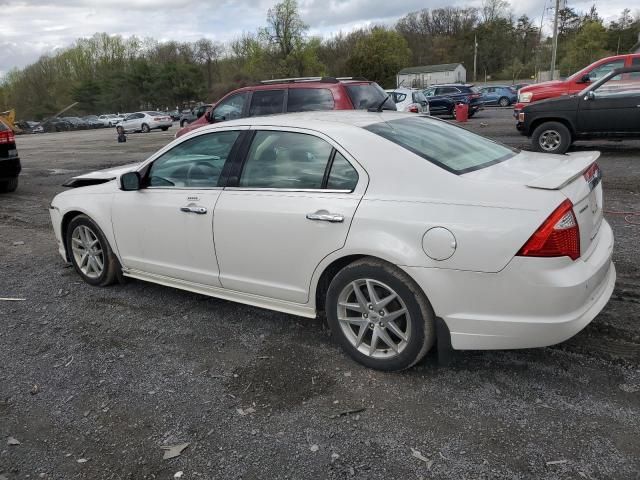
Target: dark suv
[(9, 161), (443, 98), (295, 95)]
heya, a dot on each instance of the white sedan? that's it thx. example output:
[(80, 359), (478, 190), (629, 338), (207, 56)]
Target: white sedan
[(409, 100), (145, 122), (396, 226)]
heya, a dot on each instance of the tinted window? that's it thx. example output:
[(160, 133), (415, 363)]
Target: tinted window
[(266, 102), (399, 97), (635, 63), (342, 176), (285, 160), (309, 99), (602, 70), (368, 96), (447, 91), (196, 162), (450, 147), (231, 107)]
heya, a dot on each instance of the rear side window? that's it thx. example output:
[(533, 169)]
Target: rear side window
[(452, 148), (368, 96), (342, 175), (309, 99), (285, 160), (266, 102)]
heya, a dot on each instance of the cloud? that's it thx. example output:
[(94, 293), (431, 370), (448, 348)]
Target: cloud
[(30, 28)]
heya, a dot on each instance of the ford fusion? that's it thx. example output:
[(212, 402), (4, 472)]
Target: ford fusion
[(392, 224)]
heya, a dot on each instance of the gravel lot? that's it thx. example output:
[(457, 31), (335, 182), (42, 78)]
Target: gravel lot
[(93, 382)]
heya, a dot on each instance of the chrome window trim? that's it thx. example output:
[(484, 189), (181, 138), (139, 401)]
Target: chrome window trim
[(272, 189), (182, 188)]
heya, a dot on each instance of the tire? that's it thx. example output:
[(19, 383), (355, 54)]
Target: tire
[(504, 102), (164, 129), (183, 123), (145, 128), (417, 325), (551, 137), (80, 231), (471, 114), (8, 186)]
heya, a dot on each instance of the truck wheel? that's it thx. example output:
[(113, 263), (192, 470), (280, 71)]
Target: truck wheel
[(8, 186), (551, 137)]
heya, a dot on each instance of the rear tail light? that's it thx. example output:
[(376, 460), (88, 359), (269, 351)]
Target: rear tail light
[(413, 108), (558, 236), (593, 175), (7, 137)]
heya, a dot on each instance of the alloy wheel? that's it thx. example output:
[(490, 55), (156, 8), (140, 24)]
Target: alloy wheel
[(87, 251), (374, 318), (550, 140)]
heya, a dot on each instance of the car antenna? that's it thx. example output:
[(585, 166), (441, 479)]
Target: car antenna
[(379, 107)]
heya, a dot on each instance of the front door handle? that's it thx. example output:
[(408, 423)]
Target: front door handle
[(193, 209), (324, 216)]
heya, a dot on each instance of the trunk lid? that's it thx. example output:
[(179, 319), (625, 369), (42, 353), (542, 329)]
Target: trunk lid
[(563, 173)]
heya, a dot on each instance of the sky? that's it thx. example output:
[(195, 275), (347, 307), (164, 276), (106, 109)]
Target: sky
[(31, 28)]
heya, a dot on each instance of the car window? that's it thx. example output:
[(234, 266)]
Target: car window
[(599, 72), (452, 148), (309, 99), (231, 107), (418, 97), (342, 175), (285, 160), (635, 62), (368, 96), (266, 102), (399, 97), (613, 88), (429, 92), (194, 163), (447, 90)]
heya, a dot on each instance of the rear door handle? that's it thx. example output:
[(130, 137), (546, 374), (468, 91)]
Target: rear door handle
[(193, 209), (324, 216)]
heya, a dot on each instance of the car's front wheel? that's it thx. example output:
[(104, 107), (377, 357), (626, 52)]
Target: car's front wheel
[(504, 102), (551, 137), (8, 186), (145, 128), (379, 315), (90, 252)]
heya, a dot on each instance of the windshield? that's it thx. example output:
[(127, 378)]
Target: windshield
[(452, 148), (368, 96)]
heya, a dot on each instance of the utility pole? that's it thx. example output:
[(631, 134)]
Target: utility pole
[(554, 51), (475, 56)]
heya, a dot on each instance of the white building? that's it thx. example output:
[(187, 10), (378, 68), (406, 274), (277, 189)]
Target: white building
[(419, 77)]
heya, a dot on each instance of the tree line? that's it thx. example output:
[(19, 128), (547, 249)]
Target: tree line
[(109, 73)]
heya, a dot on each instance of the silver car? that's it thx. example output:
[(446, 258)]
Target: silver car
[(145, 122)]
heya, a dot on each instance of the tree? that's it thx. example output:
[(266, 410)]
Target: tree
[(380, 55), (208, 52)]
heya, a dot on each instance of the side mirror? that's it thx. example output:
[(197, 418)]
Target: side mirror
[(591, 95), (585, 78), (130, 181)]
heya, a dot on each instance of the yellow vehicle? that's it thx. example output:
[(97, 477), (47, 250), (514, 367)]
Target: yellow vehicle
[(9, 118)]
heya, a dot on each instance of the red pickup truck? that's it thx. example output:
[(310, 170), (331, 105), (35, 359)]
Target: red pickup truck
[(575, 82)]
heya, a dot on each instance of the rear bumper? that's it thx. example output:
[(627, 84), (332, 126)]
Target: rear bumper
[(533, 302), (10, 167)]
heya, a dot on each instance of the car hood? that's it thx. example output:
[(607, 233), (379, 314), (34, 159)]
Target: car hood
[(564, 102), (100, 176), (541, 86)]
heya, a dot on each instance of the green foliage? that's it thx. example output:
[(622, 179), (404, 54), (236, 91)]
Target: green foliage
[(379, 55)]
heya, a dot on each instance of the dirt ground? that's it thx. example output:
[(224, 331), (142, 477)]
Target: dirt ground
[(95, 381)]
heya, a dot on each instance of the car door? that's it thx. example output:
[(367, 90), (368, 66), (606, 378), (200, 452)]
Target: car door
[(490, 95), (614, 107), (166, 227), (285, 208), (436, 104)]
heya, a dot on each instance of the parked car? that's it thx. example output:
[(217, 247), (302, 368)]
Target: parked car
[(499, 95), (575, 83), (145, 122), (192, 115), (175, 115), (110, 119), (53, 124), (608, 108), (93, 121), (77, 123), (443, 98), (399, 225), (26, 126), (10, 166), (409, 100), (296, 95)]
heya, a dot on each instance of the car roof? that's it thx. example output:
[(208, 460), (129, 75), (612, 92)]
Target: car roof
[(309, 84)]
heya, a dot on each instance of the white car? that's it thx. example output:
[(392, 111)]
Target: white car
[(109, 120), (145, 122), (393, 224), (409, 100)]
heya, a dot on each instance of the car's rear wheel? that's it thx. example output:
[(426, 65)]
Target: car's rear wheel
[(145, 128), (90, 252), (164, 129), (551, 137), (8, 186), (379, 315), (504, 102), (183, 123)]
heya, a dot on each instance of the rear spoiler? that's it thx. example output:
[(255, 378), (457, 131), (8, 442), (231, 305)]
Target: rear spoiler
[(572, 167)]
